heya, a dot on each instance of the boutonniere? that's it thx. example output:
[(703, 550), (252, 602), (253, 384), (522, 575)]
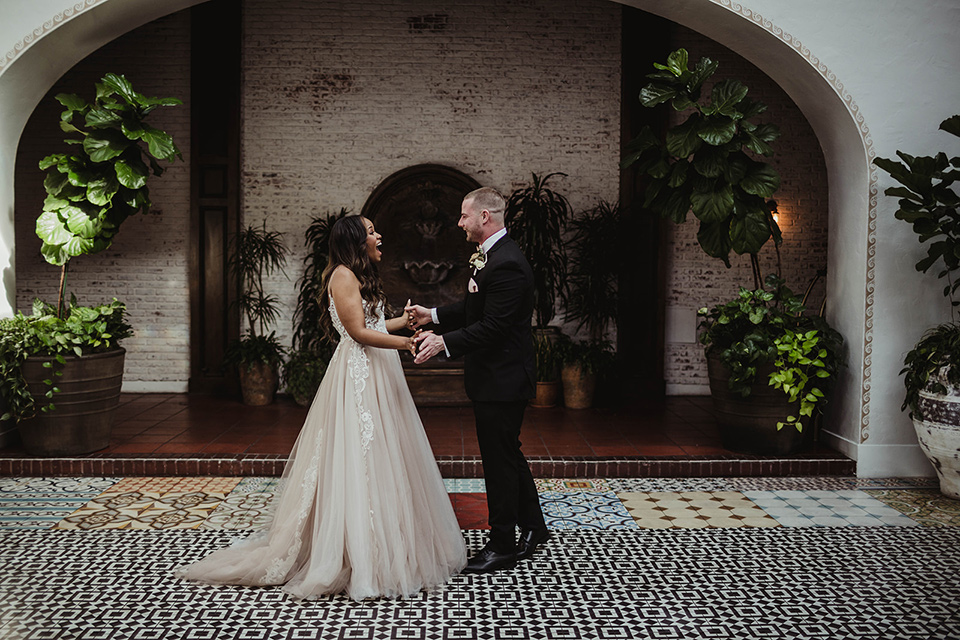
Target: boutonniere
[(478, 259)]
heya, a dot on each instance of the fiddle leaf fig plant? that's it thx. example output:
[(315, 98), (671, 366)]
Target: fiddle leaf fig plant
[(91, 191), (710, 163)]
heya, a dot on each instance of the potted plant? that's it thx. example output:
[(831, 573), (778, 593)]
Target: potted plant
[(582, 362), (535, 217), (928, 200), (256, 253), (90, 192), (303, 371), (592, 295), (548, 372), (711, 164), (769, 364)]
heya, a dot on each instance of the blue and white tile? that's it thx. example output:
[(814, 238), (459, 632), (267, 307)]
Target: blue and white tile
[(585, 510), (823, 508), (645, 485), (58, 485), (464, 485), (40, 503)]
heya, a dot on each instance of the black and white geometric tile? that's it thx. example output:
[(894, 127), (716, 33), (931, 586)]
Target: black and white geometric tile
[(833, 582)]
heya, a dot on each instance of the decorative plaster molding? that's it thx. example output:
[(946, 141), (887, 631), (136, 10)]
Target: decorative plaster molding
[(42, 30), (831, 77)]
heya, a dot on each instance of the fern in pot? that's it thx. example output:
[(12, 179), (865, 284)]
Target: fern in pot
[(928, 200)]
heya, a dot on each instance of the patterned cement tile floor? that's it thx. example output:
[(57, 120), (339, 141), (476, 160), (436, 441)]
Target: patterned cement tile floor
[(761, 558)]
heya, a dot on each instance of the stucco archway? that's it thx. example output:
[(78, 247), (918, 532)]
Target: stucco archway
[(28, 74)]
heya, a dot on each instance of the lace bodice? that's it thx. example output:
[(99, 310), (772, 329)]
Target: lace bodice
[(373, 312)]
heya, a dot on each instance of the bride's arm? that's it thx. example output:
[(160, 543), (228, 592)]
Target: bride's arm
[(345, 289), (400, 322)]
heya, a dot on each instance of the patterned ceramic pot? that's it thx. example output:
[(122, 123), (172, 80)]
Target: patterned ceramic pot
[(937, 421)]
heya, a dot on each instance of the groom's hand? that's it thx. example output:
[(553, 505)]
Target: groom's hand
[(429, 344), (417, 315)]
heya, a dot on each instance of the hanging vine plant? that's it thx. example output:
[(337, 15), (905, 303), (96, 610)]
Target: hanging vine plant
[(92, 191)]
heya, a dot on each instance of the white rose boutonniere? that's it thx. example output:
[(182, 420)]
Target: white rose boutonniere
[(479, 259)]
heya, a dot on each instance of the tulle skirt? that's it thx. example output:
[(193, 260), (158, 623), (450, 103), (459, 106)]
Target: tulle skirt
[(362, 508)]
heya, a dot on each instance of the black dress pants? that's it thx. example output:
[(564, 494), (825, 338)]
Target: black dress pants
[(511, 492)]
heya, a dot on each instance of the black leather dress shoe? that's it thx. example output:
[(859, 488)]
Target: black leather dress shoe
[(529, 541), (488, 561)]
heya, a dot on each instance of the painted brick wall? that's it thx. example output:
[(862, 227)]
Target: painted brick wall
[(693, 279), (353, 92), (146, 267)]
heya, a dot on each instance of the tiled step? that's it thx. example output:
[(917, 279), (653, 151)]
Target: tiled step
[(818, 463)]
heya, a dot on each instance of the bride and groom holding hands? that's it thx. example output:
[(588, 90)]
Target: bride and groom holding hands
[(362, 508)]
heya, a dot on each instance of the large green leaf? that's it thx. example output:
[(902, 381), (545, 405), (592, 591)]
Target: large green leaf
[(675, 204), (701, 71), (714, 205), (80, 223), (761, 180), (51, 229), (101, 190), (749, 232), (755, 144), (72, 102), (53, 203), (724, 98), (683, 140), (78, 173), (714, 239), (709, 161), (676, 62), (123, 87), (54, 183), (99, 118), (77, 246), (951, 125), (131, 172), (717, 131), (160, 144), (132, 128), (105, 144), (736, 168), (653, 94), (678, 174), (54, 254)]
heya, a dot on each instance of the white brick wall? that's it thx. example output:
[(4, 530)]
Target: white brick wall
[(352, 93), (146, 267)]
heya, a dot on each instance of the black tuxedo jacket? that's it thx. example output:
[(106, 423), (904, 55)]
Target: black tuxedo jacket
[(490, 328)]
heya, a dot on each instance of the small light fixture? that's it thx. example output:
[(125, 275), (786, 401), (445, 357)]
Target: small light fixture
[(774, 212)]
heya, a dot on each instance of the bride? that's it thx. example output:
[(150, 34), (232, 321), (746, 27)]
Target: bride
[(363, 509)]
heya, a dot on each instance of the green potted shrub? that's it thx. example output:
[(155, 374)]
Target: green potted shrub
[(928, 200), (710, 165), (535, 217), (548, 372), (764, 352), (256, 253), (582, 362), (592, 296), (304, 370), (70, 353)]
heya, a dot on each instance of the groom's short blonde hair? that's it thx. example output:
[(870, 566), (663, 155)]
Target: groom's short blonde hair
[(490, 199)]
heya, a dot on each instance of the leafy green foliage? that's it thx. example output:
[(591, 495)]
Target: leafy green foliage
[(928, 200), (932, 364), (547, 358), (256, 253), (307, 332), (593, 356), (536, 216), (251, 349), (82, 330), (594, 268), (302, 374), (767, 326), (708, 164), (93, 190)]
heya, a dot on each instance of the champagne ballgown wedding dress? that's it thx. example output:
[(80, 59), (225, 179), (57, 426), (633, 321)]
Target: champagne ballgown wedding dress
[(362, 508)]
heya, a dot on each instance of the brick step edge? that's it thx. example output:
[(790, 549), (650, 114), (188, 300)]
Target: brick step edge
[(450, 467)]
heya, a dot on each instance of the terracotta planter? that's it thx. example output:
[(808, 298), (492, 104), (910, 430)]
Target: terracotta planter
[(258, 383), (548, 393), (578, 387), (749, 425), (937, 421), (84, 407)]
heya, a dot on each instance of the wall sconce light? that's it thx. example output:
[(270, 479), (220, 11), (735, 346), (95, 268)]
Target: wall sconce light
[(774, 212)]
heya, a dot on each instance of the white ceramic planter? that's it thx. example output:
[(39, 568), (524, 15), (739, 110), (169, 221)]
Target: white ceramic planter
[(938, 430)]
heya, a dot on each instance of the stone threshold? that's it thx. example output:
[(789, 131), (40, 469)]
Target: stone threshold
[(735, 465)]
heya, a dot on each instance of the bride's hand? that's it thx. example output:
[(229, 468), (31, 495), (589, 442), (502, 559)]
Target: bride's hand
[(412, 343), (407, 318)]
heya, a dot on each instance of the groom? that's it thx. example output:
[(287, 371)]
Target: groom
[(490, 328)]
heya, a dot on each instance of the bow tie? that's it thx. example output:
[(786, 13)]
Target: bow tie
[(479, 258)]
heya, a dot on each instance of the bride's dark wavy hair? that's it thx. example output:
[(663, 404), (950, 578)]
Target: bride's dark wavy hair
[(348, 247)]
